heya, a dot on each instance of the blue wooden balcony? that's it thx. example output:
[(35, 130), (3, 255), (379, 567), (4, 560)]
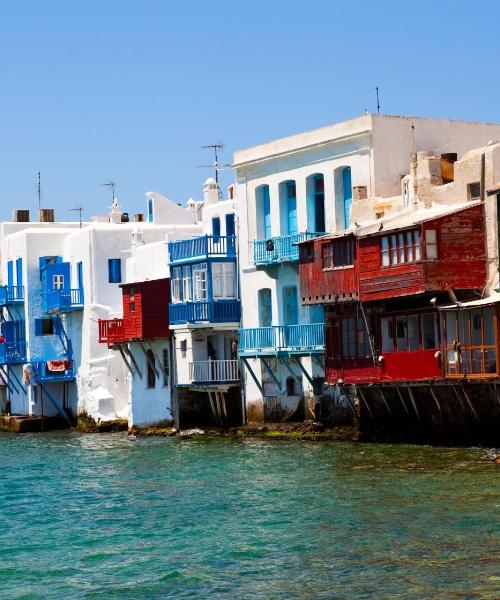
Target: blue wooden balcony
[(58, 370), (11, 294), (282, 339), (280, 249), (202, 248), (211, 311), (12, 353), (64, 300)]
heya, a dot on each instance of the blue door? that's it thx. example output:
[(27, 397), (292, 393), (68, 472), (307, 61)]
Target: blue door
[(10, 274), (347, 186), (291, 207), (266, 209), (57, 276), (216, 228), (230, 224), (265, 308), (290, 305), (19, 272)]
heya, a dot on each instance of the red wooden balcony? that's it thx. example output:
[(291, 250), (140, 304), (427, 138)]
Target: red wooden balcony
[(112, 331)]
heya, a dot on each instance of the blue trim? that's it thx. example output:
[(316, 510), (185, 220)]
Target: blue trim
[(114, 270)]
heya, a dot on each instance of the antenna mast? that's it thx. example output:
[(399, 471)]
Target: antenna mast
[(111, 185), (215, 166), (378, 103), (39, 194), (79, 210)]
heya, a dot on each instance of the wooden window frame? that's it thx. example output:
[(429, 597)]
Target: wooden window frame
[(419, 314), (403, 247)]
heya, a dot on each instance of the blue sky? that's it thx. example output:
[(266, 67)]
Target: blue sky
[(129, 90)]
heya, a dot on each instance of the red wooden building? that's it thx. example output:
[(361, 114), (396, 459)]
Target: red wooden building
[(145, 314), (381, 286)]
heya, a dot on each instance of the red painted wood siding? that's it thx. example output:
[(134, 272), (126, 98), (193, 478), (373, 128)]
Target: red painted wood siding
[(461, 262), (320, 286), (149, 320)]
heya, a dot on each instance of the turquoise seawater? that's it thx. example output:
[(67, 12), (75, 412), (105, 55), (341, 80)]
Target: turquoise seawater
[(110, 516)]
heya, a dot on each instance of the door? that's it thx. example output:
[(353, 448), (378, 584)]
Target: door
[(266, 209), (291, 207), (265, 307), (347, 187), (230, 224), (79, 270), (319, 204), (10, 274), (290, 305)]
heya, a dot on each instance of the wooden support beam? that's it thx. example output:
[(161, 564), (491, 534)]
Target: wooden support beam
[(301, 367), (414, 404), (402, 399), (435, 398), (283, 361), (469, 402), (18, 381), (126, 349), (319, 362), (254, 377), (270, 371), (382, 395), (150, 362), (163, 369), (125, 360), (55, 404), (458, 397), (5, 380), (366, 403)]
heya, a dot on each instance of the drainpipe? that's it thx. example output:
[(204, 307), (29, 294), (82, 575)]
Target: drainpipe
[(483, 175)]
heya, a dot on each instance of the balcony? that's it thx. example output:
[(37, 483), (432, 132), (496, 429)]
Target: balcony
[(211, 311), (10, 294), (209, 372), (280, 249), (12, 353), (63, 300), (202, 248), (59, 370), (283, 339), (112, 331)]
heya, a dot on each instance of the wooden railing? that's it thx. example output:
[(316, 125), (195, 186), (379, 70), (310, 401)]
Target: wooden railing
[(10, 294), (111, 331), (293, 338), (64, 299), (214, 371), (212, 311), (202, 247), (281, 248)]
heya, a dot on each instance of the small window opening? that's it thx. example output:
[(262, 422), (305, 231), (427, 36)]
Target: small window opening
[(474, 191)]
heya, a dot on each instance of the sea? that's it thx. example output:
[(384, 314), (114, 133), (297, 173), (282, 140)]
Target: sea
[(117, 516)]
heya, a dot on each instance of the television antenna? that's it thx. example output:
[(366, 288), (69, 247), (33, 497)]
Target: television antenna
[(39, 193), (378, 101), (79, 209), (111, 185), (216, 166)]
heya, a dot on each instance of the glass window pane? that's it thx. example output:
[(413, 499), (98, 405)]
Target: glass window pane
[(451, 327), (387, 334), (489, 331), (477, 361), (476, 327), (401, 334), (401, 247), (490, 359), (429, 331), (394, 250), (416, 237), (413, 341), (409, 247)]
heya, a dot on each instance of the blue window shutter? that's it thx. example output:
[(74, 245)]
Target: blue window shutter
[(347, 185), (19, 272), (115, 270), (10, 274), (216, 228), (150, 210), (38, 326)]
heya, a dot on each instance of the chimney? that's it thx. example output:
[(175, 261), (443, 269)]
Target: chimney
[(21, 215), (46, 215), (138, 218), (210, 191)]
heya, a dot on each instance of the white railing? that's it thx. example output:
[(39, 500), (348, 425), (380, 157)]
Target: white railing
[(208, 371)]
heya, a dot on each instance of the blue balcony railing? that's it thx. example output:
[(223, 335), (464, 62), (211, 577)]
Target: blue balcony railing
[(280, 249), (212, 311), (201, 248), (11, 294), (54, 370), (282, 338), (64, 300), (12, 353)]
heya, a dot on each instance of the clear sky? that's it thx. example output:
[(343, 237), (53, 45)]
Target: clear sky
[(129, 90)]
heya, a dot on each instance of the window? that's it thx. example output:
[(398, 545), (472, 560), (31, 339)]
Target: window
[(290, 386), (474, 191), (183, 348), (216, 228), (431, 246), (115, 270), (471, 342), (338, 253), (131, 299), (409, 333), (186, 284), (150, 210), (264, 302), (355, 341), (306, 252), (150, 360), (200, 281), (166, 367), (175, 284), (57, 282), (399, 248), (224, 280), (44, 327)]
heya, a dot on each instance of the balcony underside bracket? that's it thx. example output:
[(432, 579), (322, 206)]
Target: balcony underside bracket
[(163, 369), (319, 361), (253, 376), (271, 373), (289, 368), (55, 404), (18, 381), (126, 355), (5, 378), (302, 368), (151, 361)]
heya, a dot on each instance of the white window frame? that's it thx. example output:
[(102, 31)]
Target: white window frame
[(200, 282), (58, 282), (224, 279)]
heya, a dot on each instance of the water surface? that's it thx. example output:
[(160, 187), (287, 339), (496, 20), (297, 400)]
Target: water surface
[(109, 516)]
